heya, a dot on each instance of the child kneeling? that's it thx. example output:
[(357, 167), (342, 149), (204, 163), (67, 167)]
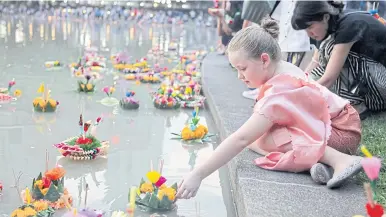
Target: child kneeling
[(297, 124)]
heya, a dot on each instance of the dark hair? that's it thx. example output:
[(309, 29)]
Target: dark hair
[(308, 11)]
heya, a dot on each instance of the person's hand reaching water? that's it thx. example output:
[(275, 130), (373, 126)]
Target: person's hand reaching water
[(189, 186)]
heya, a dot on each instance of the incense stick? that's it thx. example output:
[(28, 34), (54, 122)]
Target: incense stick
[(161, 165), (17, 181), (369, 194), (47, 159), (151, 165), (85, 196)]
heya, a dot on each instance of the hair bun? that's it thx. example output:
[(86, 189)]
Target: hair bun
[(271, 26)]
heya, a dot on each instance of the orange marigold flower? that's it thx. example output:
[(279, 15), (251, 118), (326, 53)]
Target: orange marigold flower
[(55, 174)]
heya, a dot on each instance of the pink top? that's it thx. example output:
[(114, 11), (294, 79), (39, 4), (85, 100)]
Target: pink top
[(305, 108)]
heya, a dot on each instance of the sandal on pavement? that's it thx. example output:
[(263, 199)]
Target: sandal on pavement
[(350, 171), (321, 173)]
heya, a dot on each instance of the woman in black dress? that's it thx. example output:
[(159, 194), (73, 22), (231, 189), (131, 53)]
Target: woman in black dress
[(351, 55)]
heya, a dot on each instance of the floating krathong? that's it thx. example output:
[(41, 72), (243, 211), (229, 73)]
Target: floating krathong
[(5, 93), (49, 188), (372, 166), (129, 102), (131, 77), (85, 146), (109, 101), (155, 195), (194, 132), (150, 78), (44, 103), (191, 97), (35, 209), (86, 86), (166, 100), (52, 64)]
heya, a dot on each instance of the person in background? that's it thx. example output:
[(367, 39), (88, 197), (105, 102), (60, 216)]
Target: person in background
[(230, 22), (253, 12), (351, 57), (296, 124), (293, 43)]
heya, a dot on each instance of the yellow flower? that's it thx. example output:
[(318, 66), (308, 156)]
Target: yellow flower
[(28, 211), (169, 192), (163, 186), (39, 184), (199, 133), (146, 187), (82, 86), (44, 191), (17, 93), (130, 77), (112, 89), (138, 82), (89, 86), (40, 205), (52, 103), (188, 90), (78, 73)]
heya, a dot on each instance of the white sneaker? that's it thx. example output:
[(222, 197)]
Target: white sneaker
[(251, 94)]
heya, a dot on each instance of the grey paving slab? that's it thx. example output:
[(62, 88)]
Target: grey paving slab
[(263, 193)]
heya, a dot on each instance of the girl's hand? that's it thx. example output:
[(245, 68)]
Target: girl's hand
[(189, 186)]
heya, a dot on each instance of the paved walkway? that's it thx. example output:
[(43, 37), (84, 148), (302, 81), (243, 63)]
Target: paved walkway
[(258, 192)]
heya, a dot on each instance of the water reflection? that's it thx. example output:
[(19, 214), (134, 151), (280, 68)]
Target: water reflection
[(136, 137)]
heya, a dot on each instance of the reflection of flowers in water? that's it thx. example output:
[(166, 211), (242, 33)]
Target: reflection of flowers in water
[(44, 122), (193, 152), (109, 101)]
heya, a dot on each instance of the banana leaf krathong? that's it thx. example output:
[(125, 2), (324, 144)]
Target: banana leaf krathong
[(194, 132)]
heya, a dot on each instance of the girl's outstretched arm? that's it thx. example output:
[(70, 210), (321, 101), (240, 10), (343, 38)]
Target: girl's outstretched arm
[(253, 129)]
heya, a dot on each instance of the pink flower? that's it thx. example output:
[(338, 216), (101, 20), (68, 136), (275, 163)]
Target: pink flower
[(11, 83), (160, 181), (371, 166), (106, 89)]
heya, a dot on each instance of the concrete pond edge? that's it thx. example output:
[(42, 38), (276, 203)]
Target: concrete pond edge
[(210, 105)]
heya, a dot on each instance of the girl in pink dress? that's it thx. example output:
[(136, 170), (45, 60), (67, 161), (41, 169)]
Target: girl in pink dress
[(297, 124)]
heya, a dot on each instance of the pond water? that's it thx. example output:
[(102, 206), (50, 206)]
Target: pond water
[(136, 137)]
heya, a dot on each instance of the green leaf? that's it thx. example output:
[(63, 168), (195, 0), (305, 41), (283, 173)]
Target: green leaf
[(39, 177), (142, 181), (37, 194), (165, 203), (33, 183), (55, 182), (176, 134), (146, 199), (154, 202), (95, 144), (60, 187), (175, 186), (52, 194)]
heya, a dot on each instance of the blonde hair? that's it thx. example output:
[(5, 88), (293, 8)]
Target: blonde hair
[(256, 40)]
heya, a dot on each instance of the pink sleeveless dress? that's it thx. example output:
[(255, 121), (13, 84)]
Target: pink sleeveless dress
[(307, 117)]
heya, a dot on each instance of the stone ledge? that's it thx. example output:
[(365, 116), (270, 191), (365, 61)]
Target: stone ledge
[(258, 192)]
